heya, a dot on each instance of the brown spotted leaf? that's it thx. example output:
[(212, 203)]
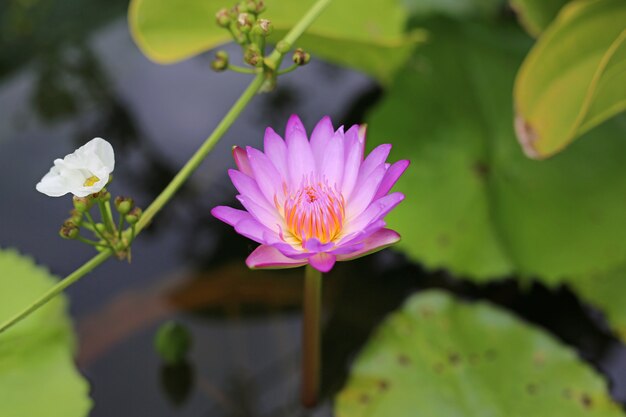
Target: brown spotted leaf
[(438, 357), (475, 204)]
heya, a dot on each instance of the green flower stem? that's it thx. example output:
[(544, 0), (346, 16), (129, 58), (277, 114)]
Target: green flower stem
[(288, 69), (236, 37), (311, 336), (120, 227), (107, 215), (292, 36), (183, 174), (243, 70), (90, 242), (97, 232)]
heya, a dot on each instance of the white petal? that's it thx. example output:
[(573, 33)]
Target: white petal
[(52, 184), (72, 173)]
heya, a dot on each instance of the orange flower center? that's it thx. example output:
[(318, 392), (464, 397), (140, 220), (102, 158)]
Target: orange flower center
[(314, 210)]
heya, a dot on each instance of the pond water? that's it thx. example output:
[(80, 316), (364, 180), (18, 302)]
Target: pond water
[(188, 266)]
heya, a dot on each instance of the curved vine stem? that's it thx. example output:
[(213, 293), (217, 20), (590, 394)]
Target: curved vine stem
[(182, 176)]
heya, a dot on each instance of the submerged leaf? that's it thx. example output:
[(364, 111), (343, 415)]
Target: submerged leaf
[(37, 372), (440, 357)]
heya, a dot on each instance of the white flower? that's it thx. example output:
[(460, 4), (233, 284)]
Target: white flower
[(82, 173)]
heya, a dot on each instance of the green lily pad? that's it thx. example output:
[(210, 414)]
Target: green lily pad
[(367, 35), (440, 357), (605, 291), (37, 372), (536, 15), (574, 78), (475, 205)]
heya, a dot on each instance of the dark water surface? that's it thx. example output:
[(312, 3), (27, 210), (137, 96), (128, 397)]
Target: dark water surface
[(246, 325)]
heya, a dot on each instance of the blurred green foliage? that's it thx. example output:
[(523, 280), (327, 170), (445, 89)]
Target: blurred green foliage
[(37, 372), (536, 15)]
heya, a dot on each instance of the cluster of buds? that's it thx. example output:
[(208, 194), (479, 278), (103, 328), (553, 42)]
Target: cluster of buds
[(250, 31), (108, 234), (247, 29)]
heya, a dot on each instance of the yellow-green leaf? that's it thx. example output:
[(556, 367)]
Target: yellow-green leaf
[(574, 78), (536, 15), (367, 35), (37, 372), (440, 357)]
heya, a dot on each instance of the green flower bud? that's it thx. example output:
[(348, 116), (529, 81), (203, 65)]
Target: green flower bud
[(172, 342), (223, 18), (222, 55), (283, 47), (69, 231), (102, 195), (76, 217), (300, 57), (249, 6), (263, 27), (241, 7), (134, 216), (82, 204), (219, 65), (260, 6), (253, 56), (100, 227), (124, 204), (245, 22)]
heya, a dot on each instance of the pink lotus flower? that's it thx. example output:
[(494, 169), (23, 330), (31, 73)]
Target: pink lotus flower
[(313, 202)]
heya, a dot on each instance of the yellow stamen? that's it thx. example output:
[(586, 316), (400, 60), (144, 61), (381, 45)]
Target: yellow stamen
[(314, 210), (91, 181)]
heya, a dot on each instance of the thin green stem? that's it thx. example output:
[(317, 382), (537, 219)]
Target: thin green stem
[(243, 70), (235, 36), (182, 175), (292, 36), (311, 336), (107, 216), (288, 69), (88, 226), (97, 232), (56, 290), (90, 242), (120, 227)]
